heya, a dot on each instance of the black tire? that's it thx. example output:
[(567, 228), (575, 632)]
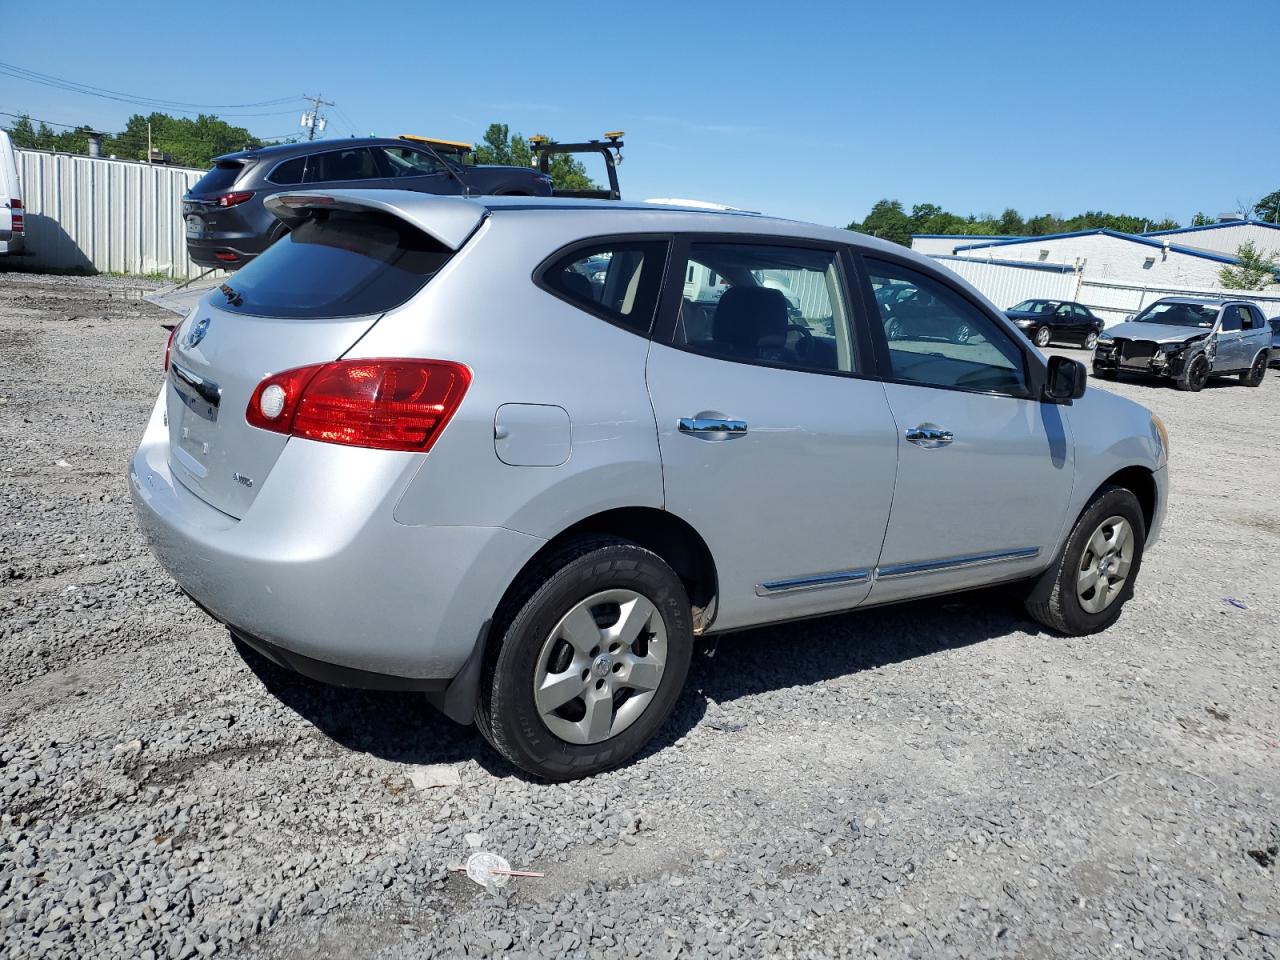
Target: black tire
[(1105, 373), (1254, 375), (1195, 376), (1090, 340), (1053, 600), (1044, 336), (506, 713)]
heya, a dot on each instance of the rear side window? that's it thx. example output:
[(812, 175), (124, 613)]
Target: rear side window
[(289, 172), (337, 264), (616, 280), (222, 177)]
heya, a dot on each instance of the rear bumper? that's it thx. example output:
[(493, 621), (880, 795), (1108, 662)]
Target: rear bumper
[(319, 576), (205, 251), (11, 243)]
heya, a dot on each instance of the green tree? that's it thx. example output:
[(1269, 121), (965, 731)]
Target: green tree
[(499, 145), (192, 143), (1011, 223), (1201, 220), (1268, 208), (1256, 271), (888, 221)]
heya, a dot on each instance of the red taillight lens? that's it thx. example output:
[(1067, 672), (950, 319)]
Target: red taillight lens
[(384, 404), (168, 347), (232, 199), (18, 224), (226, 256)]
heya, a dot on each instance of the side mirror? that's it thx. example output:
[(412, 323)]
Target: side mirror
[(1128, 318), (1065, 380)]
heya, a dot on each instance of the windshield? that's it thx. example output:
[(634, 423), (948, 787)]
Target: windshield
[(336, 264), (1035, 306), (1179, 314)]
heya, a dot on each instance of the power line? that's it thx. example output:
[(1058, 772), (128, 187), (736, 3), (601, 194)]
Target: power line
[(315, 119), (179, 106)]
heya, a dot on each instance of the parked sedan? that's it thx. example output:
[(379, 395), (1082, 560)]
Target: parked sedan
[(1188, 340), (1049, 321), (227, 224), (412, 446)]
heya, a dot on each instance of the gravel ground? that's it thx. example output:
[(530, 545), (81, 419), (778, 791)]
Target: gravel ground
[(942, 779)]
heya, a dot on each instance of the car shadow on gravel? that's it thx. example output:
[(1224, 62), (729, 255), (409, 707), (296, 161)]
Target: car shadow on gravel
[(403, 728)]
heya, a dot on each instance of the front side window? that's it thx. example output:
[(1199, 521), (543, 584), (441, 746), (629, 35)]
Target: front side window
[(404, 162), (353, 164), (938, 337), (618, 280), (757, 303), (336, 264), (1234, 319)]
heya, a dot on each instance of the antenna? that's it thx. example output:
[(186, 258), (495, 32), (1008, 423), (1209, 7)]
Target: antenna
[(313, 120)]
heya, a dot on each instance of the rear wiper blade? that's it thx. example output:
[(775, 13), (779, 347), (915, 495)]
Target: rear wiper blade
[(229, 292)]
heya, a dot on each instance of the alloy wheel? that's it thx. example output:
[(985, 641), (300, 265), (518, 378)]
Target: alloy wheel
[(600, 667), (1091, 340), (1043, 336), (1105, 565), (963, 332)]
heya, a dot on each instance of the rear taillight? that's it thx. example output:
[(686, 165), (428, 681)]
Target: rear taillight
[(226, 256), (232, 199), (384, 404), (168, 347), (18, 224)]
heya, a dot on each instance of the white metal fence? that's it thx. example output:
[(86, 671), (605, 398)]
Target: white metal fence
[(1005, 283), (109, 215)]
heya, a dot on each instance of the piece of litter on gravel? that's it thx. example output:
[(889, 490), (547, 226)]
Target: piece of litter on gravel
[(61, 463), (488, 869), (435, 775), (473, 840), (1235, 603)]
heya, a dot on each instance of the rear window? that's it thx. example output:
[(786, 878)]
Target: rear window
[(338, 264), (222, 177)]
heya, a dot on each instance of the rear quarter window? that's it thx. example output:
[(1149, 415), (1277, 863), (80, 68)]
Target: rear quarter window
[(617, 280), (336, 264)]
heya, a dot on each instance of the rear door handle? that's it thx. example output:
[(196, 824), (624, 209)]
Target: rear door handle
[(712, 428), (928, 435)]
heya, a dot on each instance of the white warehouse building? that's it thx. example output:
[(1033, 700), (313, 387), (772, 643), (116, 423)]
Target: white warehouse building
[(1107, 255), (1226, 237)]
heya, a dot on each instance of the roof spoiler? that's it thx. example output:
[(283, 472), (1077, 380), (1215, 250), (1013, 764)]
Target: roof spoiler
[(449, 220)]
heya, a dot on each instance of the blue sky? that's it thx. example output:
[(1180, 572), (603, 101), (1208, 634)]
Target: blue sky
[(808, 110)]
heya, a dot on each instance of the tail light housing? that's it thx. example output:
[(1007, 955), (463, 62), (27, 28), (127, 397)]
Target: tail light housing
[(168, 347), (235, 198), (16, 215), (390, 404)]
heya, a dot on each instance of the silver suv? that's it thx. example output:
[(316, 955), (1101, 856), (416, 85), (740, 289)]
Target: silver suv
[(1188, 340), (511, 453)]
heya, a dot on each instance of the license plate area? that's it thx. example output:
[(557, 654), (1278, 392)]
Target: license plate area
[(195, 227), (199, 395)]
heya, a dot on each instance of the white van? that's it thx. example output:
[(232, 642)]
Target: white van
[(12, 225)]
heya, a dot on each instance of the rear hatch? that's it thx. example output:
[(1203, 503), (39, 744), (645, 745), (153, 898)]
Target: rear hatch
[(214, 194), (308, 299)]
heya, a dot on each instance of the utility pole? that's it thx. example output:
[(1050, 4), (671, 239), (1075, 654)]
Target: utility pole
[(148, 141), (312, 120)]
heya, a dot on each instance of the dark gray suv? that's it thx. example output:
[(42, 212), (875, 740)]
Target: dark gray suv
[(227, 225)]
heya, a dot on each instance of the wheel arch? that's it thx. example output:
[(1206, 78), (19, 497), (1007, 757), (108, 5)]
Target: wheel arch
[(1141, 482), (673, 539)]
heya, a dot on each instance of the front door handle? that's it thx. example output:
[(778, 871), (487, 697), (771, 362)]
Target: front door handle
[(712, 428), (929, 435)]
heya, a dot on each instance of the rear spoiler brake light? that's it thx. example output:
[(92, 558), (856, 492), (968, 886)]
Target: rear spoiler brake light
[(449, 220)]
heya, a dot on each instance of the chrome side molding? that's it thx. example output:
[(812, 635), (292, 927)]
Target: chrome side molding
[(899, 570), (842, 578)]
